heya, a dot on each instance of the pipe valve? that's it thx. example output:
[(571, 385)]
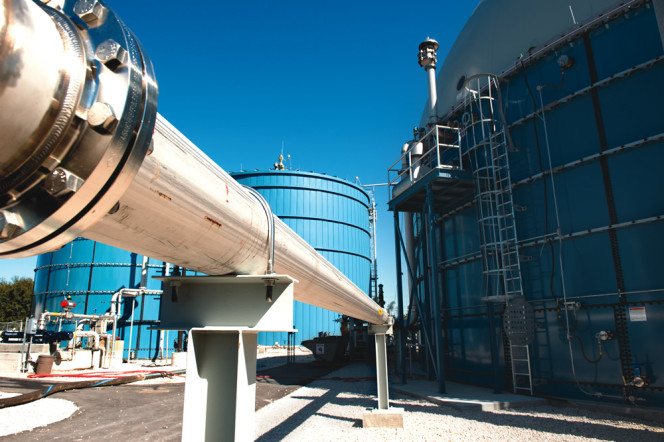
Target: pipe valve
[(605, 335), (67, 305)]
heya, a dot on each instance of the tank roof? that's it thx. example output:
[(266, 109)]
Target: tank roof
[(294, 172), (499, 32)]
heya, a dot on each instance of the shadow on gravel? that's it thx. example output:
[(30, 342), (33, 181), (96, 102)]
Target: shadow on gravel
[(313, 408), (274, 383), (550, 420), (290, 424), (551, 423)]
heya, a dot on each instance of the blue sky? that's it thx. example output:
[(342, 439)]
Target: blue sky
[(337, 82)]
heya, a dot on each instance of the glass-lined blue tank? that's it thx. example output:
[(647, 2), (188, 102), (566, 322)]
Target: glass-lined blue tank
[(332, 215), (91, 272)]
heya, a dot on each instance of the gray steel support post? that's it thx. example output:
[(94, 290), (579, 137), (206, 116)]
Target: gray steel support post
[(436, 292), (383, 416), (380, 332), (401, 322), (224, 314), (424, 307), (220, 389)]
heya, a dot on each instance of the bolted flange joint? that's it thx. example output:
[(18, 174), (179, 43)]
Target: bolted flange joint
[(98, 113)]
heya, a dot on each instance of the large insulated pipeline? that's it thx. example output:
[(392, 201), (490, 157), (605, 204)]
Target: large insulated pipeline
[(84, 153)]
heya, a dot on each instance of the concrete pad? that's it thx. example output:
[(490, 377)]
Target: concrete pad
[(10, 362), (462, 396), (179, 359), (16, 348), (390, 418), (79, 360)]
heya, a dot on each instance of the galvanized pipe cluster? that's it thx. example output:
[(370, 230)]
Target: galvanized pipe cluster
[(84, 153)]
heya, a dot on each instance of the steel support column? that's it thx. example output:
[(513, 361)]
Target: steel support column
[(400, 320), (220, 388), (427, 312), (435, 292), (384, 416), (380, 333)]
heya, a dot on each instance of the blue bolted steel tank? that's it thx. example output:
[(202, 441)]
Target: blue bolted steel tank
[(578, 138), (91, 272), (332, 215)]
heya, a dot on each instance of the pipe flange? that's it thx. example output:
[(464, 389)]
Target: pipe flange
[(46, 147), (97, 140)]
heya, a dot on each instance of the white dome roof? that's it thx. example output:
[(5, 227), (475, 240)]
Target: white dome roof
[(499, 31)]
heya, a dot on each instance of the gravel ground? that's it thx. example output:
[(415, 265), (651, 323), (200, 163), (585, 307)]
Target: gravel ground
[(35, 414), (49, 410), (332, 411)]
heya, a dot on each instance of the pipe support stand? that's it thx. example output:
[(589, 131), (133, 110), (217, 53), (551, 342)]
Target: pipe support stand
[(380, 332), (224, 315)]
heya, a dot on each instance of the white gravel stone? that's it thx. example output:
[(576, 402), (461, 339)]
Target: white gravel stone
[(332, 411), (33, 414)]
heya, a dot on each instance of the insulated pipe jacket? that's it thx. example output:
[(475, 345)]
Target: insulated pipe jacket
[(84, 153)]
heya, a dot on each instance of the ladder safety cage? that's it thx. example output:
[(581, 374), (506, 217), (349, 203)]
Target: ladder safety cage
[(484, 145)]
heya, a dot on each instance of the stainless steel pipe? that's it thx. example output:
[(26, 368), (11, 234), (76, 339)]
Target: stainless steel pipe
[(183, 208), (111, 170)]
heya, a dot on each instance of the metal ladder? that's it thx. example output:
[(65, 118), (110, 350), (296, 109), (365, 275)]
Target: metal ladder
[(521, 376), (485, 147)]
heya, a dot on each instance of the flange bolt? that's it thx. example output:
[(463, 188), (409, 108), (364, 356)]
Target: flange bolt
[(62, 182), (11, 224), (102, 118), (91, 11), (111, 54)]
